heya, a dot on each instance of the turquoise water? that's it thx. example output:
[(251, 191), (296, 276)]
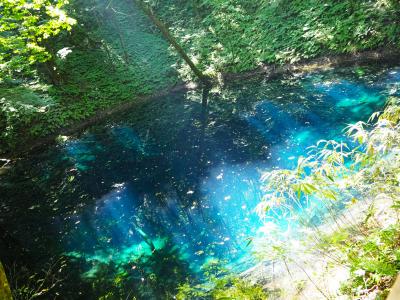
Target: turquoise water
[(144, 201)]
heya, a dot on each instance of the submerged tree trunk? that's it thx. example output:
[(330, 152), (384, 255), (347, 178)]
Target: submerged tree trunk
[(165, 32)]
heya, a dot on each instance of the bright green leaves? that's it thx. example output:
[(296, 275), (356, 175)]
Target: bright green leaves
[(25, 28), (333, 171), (234, 36), (374, 261), (314, 176)]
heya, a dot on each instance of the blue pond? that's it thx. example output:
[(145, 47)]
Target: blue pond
[(142, 202)]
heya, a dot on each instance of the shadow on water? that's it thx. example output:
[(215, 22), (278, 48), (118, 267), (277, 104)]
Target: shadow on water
[(140, 204)]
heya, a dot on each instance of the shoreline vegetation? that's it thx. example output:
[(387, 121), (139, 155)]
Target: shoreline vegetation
[(313, 273), (87, 58), (353, 252), (266, 71)]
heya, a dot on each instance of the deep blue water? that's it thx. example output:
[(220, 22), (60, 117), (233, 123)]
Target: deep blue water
[(154, 194)]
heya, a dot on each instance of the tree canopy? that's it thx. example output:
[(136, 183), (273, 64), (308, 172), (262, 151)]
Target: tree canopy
[(25, 28)]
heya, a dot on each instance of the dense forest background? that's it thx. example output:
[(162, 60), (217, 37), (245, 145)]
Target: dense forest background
[(109, 52)]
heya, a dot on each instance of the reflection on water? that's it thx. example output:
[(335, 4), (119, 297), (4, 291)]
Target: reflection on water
[(140, 203)]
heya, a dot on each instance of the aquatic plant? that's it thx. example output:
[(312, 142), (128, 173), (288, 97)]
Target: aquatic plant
[(220, 283), (152, 272), (41, 284)]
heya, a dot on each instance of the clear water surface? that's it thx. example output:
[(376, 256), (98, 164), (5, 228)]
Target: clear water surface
[(153, 195)]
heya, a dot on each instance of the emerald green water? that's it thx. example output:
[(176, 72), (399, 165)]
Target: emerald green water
[(143, 202)]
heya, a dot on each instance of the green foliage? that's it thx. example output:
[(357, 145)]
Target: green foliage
[(234, 36), (113, 53), (25, 28), (19, 108), (373, 259), (92, 74), (333, 171)]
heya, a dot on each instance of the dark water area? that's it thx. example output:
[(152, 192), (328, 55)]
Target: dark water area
[(144, 202)]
